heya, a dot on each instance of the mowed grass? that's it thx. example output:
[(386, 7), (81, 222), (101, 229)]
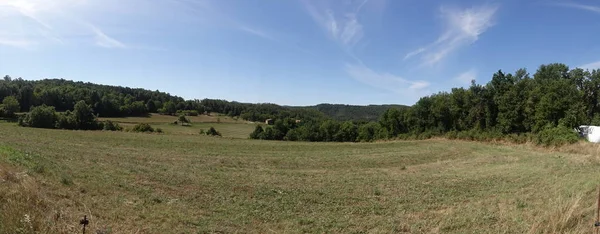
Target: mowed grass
[(176, 183), (227, 126)]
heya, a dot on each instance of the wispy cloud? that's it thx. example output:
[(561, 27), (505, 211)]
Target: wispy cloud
[(464, 26), (465, 78), (257, 32), (38, 22), (340, 21), (386, 81), (25, 44), (595, 9), (104, 40), (591, 66)]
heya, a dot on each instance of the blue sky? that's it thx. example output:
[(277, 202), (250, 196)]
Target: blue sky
[(293, 52)]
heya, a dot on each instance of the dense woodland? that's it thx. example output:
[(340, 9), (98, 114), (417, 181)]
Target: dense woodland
[(357, 113), (543, 107), (116, 101)]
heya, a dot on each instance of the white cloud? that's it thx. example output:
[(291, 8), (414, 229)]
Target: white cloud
[(340, 20), (464, 26), (386, 81), (105, 41), (39, 22), (257, 32), (580, 6), (25, 44), (591, 66), (465, 78)]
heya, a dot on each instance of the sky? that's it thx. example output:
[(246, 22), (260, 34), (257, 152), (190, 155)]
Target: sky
[(294, 52)]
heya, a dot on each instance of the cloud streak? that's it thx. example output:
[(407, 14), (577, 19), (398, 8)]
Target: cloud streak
[(48, 21), (464, 26), (594, 9), (591, 66), (340, 22)]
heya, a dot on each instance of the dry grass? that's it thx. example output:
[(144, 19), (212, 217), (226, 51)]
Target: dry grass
[(177, 183)]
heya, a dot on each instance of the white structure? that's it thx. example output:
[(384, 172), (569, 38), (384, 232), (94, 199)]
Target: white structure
[(591, 133)]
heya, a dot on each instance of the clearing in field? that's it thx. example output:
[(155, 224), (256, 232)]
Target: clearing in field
[(180, 183)]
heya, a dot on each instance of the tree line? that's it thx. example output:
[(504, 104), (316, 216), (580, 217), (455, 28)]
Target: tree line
[(544, 108), (117, 101)]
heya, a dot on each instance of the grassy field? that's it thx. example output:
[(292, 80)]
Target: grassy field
[(177, 183), (227, 126)]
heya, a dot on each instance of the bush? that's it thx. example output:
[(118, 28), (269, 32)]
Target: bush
[(292, 135), (188, 112), (9, 107), (556, 136), (183, 120), (40, 117), (257, 131), (111, 126), (212, 132), (159, 130), (143, 127), (66, 121)]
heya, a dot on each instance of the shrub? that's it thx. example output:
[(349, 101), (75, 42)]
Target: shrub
[(66, 121), (84, 117), (9, 107), (556, 136), (40, 117), (256, 133), (212, 132), (183, 120), (111, 126), (159, 130), (143, 127), (188, 112), (292, 135)]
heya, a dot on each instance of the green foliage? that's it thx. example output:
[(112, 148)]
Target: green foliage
[(556, 136), (142, 127), (159, 130), (188, 112), (257, 132), (111, 126), (183, 120), (212, 132), (10, 105), (40, 117), (368, 132), (84, 118)]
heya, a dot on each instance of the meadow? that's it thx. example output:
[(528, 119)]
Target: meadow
[(184, 182)]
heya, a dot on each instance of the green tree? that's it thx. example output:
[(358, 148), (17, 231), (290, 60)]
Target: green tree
[(368, 132), (258, 130), (329, 130), (10, 106), (183, 120), (40, 117), (348, 132), (84, 117)]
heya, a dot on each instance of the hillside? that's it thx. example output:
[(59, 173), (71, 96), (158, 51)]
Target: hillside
[(343, 112), (117, 101), (178, 183)]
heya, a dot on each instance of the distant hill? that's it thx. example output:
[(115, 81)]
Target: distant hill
[(344, 112), (117, 101)]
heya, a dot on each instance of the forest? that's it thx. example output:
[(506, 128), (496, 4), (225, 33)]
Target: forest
[(543, 107)]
